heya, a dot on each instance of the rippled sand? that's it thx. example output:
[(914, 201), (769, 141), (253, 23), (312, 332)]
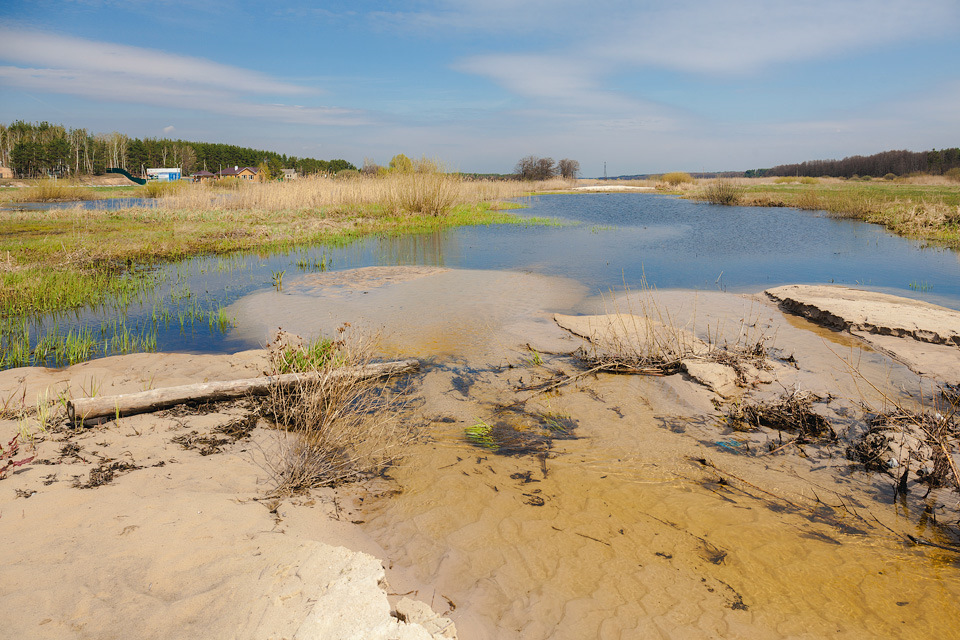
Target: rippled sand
[(656, 521)]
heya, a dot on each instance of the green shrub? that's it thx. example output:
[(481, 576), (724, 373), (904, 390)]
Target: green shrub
[(890, 176)]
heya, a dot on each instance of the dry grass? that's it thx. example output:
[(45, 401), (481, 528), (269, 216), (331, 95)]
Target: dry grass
[(922, 440), (919, 435), (643, 337), (157, 189), (337, 428)]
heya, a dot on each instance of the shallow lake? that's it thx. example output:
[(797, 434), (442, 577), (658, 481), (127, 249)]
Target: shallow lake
[(604, 241)]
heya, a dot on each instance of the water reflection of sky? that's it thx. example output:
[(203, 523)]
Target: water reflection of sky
[(683, 244), (617, 239)]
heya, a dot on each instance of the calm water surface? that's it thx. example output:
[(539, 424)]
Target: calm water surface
[(605, 241)]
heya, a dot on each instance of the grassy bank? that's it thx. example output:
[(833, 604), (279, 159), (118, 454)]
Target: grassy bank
[(61, 259), (924, 208)]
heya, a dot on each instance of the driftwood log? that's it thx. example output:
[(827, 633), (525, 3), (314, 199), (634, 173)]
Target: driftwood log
[(81, 409)]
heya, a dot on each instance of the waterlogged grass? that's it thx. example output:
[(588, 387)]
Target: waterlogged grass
[(25, 342), (54, 260)]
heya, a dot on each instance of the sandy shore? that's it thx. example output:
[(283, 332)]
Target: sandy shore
[(157, 525)]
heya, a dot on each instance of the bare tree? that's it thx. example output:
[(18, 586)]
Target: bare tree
[(370, 167), (534, 168), (568, 168)]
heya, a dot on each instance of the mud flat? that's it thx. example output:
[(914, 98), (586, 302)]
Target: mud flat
[(547, 500)]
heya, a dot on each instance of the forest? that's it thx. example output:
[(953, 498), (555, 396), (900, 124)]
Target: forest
[(898, 163), (42, 149)]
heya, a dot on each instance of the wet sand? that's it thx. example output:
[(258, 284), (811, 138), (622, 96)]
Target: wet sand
[(654, 520)]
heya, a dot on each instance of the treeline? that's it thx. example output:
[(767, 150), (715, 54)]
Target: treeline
[(899, 163), (42, 149)]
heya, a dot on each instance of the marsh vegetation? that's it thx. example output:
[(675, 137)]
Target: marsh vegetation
[(65, 260)]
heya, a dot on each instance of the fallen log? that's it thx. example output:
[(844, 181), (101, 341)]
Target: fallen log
[(82, 409)]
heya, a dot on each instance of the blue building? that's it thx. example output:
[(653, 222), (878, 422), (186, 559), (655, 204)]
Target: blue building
[(164, 175)]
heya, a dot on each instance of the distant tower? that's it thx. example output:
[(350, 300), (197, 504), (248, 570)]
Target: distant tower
[(604, 170)]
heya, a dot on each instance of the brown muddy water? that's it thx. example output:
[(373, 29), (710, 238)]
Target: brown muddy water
[(622, 506)]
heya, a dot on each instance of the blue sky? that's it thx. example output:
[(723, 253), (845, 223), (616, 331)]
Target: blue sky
[(647, 87)]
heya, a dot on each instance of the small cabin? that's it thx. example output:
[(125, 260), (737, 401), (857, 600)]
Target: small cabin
[(202, 176), (6, 173), (241, 173)]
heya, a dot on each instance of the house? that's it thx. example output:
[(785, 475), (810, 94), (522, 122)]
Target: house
[(289, 174), (164, 175), (241, 173), (202, 176), (6, 172)]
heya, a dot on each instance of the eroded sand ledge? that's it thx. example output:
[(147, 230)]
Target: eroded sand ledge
[(923, 336), (180, 544)]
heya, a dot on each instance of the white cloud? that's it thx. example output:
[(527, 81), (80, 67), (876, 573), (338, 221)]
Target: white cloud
[(169, 129), (562, 84), (104, 71)]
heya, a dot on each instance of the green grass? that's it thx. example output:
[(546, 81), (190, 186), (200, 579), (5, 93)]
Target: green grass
[(311, 356), (481, 435)]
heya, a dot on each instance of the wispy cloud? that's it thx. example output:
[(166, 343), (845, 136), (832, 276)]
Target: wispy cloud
[(112, 72), (690, 35), (713, 36)]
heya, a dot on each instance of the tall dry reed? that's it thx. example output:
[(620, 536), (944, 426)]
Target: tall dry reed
[(53, 191), (424, 193)]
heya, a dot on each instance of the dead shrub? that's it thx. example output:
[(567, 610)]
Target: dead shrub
[(722, 191), (791, 412), (902, 440), (675, 178), (337, 428)]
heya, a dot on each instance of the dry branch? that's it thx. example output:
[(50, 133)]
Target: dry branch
[(81, 409)]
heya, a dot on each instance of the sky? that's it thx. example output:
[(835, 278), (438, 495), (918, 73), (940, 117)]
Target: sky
[(636, 87)]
